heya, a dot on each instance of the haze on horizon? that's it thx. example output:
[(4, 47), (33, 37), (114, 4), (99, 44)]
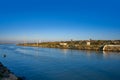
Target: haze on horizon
[(59, 20)]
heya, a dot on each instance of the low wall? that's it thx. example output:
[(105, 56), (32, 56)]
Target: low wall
[(111, 48)]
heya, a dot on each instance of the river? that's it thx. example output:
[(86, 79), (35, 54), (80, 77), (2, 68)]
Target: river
[(35, 63)]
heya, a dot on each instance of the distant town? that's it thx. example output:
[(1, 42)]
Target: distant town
[(99, 45)]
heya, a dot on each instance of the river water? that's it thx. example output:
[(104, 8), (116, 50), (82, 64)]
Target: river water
[(35, 63)]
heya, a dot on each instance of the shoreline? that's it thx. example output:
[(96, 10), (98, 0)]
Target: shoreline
[(74, 49), (96, 45), (6, 74)]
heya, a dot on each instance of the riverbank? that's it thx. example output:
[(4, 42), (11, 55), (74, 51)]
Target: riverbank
[(6, 74), (79, 45)]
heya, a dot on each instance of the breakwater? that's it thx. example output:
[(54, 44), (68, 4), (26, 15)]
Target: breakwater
[(79, 45)]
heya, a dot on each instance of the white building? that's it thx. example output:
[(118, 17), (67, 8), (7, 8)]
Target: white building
[(63, 44), (88, 43)]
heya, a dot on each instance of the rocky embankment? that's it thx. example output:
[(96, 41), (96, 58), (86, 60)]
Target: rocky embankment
[(5, 74)]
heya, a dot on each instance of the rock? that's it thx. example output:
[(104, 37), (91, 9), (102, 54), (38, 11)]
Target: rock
[(5, 74)]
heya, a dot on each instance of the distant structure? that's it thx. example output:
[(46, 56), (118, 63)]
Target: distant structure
[(24, 42), (38, 43), (63, 44), (111, 48), (89, 42)]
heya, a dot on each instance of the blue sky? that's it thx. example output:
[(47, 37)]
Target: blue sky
[(59, 19)]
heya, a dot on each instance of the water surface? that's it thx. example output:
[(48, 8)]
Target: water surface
[(60, 64)]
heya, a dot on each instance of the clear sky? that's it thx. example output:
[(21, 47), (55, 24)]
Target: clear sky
[(59, 19)]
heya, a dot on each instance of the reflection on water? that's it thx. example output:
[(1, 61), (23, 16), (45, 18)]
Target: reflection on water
[(108, 54), (64, 51), (88, 52), (60, 64)]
